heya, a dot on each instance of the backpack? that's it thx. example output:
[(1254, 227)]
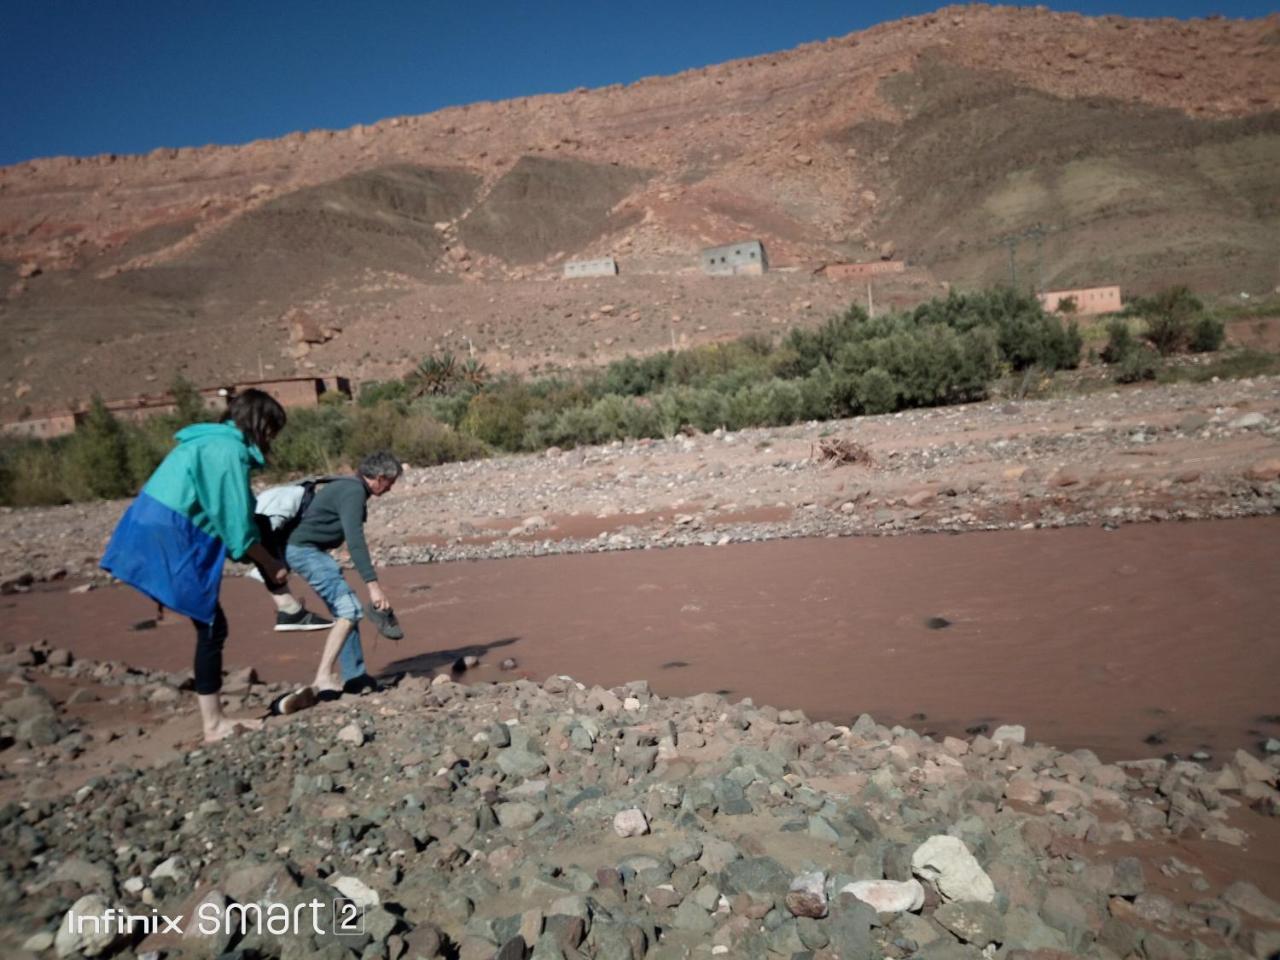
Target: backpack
[(285, 505)]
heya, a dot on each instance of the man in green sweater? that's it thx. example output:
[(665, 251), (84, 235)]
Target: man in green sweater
[(336, 515)]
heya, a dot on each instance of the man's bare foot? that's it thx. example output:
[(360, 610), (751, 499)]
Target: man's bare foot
[(328, 684), (229, 728)]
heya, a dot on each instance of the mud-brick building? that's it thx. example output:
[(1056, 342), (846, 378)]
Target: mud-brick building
[(292, 392), (747, 257), (41, 428), (296, 391), (862, 271), (1088, 300)]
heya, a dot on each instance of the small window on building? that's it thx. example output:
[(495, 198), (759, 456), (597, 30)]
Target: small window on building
[(753, 254)]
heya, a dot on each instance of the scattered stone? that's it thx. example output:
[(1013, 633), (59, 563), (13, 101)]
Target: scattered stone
[(1010, 733), (807, 896), (947, 863), (888, 896), (630, 823)]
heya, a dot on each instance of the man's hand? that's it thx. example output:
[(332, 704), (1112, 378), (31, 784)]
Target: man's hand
[(377, 597)]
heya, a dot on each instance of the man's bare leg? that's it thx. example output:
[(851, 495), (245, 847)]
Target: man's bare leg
[(327, 677)]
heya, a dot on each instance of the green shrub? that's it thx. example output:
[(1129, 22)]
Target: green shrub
[(146, 444), (698, 365), (1207, 334), (1141, 363), (423, 441), (313, 441), (1120, 341), (448, 408), (96, 461), (1025, 335), (497, 418), (634, 376), (928, 365), (31, 474), (1170, 316), (382, 391), (877, 392)]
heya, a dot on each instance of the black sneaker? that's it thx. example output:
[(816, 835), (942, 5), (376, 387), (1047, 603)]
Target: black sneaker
[(361, 684), (304, 619)]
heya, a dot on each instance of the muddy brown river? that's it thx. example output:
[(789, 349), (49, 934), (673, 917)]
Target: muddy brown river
[(1141, 641)]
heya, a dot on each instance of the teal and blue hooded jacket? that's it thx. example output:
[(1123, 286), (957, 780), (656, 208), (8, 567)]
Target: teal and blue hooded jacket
[(196, 509)]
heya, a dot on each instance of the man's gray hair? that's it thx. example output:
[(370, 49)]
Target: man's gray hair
[(380, 464)]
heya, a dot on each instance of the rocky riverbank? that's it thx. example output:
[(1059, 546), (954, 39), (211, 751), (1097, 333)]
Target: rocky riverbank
[(551, 820)]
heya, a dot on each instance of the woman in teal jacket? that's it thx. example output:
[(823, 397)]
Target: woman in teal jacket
[(194, 512)]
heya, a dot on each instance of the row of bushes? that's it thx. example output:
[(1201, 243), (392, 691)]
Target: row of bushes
[(946, 351)]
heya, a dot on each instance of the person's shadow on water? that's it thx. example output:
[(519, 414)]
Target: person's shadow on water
[(424, 664)]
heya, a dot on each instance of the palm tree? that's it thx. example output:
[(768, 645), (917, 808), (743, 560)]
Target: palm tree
[(474, 372), (433, 375)]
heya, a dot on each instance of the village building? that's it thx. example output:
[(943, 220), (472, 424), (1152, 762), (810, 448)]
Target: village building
[(291, 392), (1088, 300), (747, 257), (602, 267), (862, 271)]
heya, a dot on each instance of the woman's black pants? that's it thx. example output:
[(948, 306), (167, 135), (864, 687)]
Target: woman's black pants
[(209, 640)]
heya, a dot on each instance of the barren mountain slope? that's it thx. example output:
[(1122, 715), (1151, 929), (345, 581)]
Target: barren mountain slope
[(1144, 150)]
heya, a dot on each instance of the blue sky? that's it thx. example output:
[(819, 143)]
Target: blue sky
[(82, 77)]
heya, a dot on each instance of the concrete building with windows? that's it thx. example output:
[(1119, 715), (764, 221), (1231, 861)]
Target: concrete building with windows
[(748, 257), (602, 267)]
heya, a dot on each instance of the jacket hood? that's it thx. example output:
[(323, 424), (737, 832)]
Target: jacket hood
[(219, 431)]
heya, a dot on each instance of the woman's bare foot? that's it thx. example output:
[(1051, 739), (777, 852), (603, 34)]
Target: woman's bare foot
[(227, 727)]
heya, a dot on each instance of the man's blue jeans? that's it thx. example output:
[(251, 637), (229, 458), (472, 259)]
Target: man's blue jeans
[(324, 575)]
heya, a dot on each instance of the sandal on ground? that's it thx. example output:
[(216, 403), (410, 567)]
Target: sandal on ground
[(292, 702)]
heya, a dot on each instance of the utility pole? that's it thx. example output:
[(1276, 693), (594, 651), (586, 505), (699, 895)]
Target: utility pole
[(1037, 233), (1011, 242)]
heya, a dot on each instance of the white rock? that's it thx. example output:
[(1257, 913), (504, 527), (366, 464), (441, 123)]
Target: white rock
[(85, 929), (1010, 733), (888, 896), (134, 885), (948, 863), (351, 733), (630, 823), (353, 888), (1247, 420), (38, 942), (175, 869)]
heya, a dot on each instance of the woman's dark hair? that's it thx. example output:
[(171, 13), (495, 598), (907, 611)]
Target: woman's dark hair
[(258, 415)]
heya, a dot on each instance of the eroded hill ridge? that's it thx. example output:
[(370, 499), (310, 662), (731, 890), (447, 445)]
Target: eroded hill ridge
[(1144, 149)]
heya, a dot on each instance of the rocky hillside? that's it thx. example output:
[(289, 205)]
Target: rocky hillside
[(1110, 149)]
